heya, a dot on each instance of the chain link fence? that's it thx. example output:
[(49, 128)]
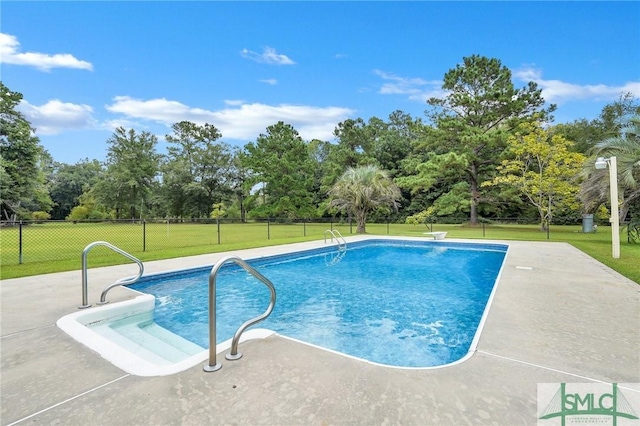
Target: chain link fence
[(37, 241), (44, 241)]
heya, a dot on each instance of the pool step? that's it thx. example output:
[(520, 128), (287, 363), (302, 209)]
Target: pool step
[(148, 340)]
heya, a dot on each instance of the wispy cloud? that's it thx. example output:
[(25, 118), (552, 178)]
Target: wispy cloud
[(237, 121), (268, 56), (559, 91), (56, 116), (270, 81), (417, 89), (10, 54), (159, 110)]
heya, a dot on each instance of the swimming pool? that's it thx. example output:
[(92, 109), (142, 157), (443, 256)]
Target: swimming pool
[(392, 302)]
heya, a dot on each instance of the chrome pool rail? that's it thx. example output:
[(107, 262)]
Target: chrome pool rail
[(338, 236), (213, 364), (122, 281)]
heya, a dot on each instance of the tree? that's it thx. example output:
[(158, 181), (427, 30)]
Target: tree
[(238, 178), (320, 153), (132, 169), (88, 208), (617, 115), (613, 117), (362, 190), (69, 181), (23, 187), (542, 168), (282, 169), (199, 170), (355, 142), (479, 110), (626, 148), (393, 142)]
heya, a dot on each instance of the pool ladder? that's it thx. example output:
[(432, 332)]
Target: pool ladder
[(233, 355), (122, 281), (342, 243)]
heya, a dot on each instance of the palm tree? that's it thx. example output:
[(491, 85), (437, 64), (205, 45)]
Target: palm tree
[(362, 190), (626, 148)]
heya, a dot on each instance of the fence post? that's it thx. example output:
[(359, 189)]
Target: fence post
[(218, 222), (20, 245), (483, 233), (387, 226), (268, 229), (144, 235), (304, 227)]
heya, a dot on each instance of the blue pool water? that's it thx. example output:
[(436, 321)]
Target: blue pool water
[(412, 304)]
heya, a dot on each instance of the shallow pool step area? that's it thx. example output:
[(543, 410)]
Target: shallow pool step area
[(124, 334), (141, 336)]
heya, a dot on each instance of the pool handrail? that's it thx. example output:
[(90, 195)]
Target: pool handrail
[(213, 364), (335, 234), (122, 281)]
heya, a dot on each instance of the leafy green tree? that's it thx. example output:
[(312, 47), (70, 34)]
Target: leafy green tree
[(385, 143), (282, 169), (617, 115), (89, 208), (363, 190), (626, 148), (23, 187), (69, 181), (473, 119), (320, 154), (237, 183), (354, 144), (394, 140), (613, 117), (543, 169), (199, 170), (131, 175), (217, 211)]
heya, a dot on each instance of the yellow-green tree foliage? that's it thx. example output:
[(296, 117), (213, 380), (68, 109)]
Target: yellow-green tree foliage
[(542, 167)]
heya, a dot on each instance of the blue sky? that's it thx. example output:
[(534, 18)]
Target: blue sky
[(85, 68)]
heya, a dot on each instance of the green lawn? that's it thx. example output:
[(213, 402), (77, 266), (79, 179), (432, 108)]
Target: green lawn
[(57, 246)]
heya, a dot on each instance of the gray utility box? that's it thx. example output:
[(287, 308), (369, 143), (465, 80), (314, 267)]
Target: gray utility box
[(587, 223)]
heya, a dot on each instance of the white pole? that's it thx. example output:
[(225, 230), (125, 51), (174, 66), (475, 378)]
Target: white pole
[(615, 214)]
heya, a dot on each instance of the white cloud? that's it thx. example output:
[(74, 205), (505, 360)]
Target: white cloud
[(159, 110), (9, 54), (418, 89), (56, 116), (559, 91), (237, 121), (123, 122), (268, 56), (271, 81)]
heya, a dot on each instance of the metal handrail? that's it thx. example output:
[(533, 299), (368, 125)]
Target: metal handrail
[(234, 354), (122, 281), (335, 234)]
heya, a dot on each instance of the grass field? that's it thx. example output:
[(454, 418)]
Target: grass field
[(58, 246)]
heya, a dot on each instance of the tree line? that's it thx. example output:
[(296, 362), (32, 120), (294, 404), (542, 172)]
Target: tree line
[(485, 149)]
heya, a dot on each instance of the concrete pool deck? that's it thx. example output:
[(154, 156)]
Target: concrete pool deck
[(557, 316)]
